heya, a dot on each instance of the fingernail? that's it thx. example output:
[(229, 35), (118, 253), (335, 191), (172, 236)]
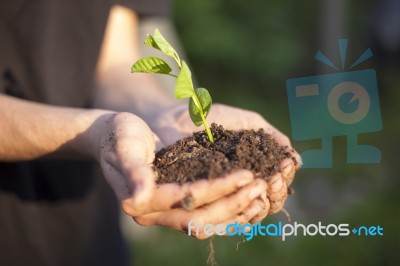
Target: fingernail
[(256, 192)]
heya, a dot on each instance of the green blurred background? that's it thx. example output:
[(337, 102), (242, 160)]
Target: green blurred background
[(243, 52)]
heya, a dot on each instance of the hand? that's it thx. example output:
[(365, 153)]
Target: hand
[(174, 123), (125, 155)]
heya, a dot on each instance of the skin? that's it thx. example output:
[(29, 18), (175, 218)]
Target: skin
[(123, 141)]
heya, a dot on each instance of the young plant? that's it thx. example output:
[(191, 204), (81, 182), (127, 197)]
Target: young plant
[(200, 100)]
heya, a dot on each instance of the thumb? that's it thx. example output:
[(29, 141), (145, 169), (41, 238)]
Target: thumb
[(142, 183)]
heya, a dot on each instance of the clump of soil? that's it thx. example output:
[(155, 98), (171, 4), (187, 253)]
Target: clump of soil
[(195, 157)]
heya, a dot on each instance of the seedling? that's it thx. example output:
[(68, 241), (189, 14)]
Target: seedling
[(200, 100)]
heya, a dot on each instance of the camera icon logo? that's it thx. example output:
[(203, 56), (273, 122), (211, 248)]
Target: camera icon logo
[(338, 104), (358, 92)]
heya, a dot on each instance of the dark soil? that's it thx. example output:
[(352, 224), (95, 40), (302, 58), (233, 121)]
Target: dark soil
[(195, 157)]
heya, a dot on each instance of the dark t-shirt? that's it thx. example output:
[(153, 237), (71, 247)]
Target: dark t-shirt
[(57, 212)]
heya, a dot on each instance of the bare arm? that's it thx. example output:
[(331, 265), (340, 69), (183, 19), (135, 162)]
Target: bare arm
[(118, 89), (30, 130)]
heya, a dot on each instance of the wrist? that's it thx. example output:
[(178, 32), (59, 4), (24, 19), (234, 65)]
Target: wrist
[(94, 125)]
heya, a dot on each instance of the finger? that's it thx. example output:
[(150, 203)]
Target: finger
[(127, 169), (170, 196), (214, 213), (288, 170), (257, 207), (142, 179), (277, 192), (276, 206), (263, 213), (117, 180), (229, 206), (159, 143), (252, 210), (133, 158), (277, 187), (284, 141)]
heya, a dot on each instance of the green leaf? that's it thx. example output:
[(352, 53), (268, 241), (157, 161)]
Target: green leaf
[(150, 42), (184, 85), (151, 65), (195, 111), (158, 41), (200, 100)]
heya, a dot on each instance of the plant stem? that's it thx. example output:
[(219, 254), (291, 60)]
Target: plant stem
[(201, 111), (172, 75), (210, 137)]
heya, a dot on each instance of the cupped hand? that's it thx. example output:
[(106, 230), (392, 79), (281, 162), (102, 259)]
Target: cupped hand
[(125, 156), (174, 123)]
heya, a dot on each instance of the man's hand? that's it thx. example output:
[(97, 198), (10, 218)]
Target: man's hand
[(173, 123), (140, 94), (125, 155), (124, 146)]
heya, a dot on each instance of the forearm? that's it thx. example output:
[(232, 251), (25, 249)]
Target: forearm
[(118, 89), (31, 130)]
